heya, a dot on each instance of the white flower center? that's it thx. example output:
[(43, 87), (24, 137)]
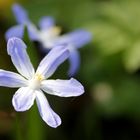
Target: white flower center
[(35, 82), (47, 36)]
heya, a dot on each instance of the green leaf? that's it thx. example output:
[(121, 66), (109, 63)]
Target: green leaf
[(132, 57), (109, 38)]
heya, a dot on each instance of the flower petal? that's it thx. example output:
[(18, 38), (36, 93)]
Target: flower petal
[(32, 31), (74, 62), (20, 14), (54, 58), (17, 50), (11, 79), (23, 99), (63, 88), (47, 114), (15, 31), (46, 22), (77, 38)]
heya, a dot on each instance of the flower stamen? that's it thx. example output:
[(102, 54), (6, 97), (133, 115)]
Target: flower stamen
[(35, 82)]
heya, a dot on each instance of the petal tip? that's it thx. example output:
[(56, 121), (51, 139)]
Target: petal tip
[(56, 123), (53, 120), (16, 7), (78, 85), (14, 42), (15, 31), (23, 99)]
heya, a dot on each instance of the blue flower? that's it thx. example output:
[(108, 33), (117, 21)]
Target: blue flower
[(31, 83), (22, 20), (34, 33), (49, 35)]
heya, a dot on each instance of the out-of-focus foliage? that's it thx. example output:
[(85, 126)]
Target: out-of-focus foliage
[(117, 29)]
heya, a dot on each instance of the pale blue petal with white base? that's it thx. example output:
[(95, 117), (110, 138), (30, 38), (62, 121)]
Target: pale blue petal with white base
[(46, 22), (15, 31), (63, 88), (53, 59), (47, 114), (20, 14), (16, 48), (11, 79), (77, 38), (23, 99), (74, 60)]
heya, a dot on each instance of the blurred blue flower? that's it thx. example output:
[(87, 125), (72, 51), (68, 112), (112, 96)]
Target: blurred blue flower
[(32, 83), (22, 20), (49, 35)]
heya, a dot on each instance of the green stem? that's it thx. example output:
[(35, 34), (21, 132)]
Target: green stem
[(35, 128), (18, 128)]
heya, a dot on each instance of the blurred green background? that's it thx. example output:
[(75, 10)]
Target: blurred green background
[(110, 72)]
